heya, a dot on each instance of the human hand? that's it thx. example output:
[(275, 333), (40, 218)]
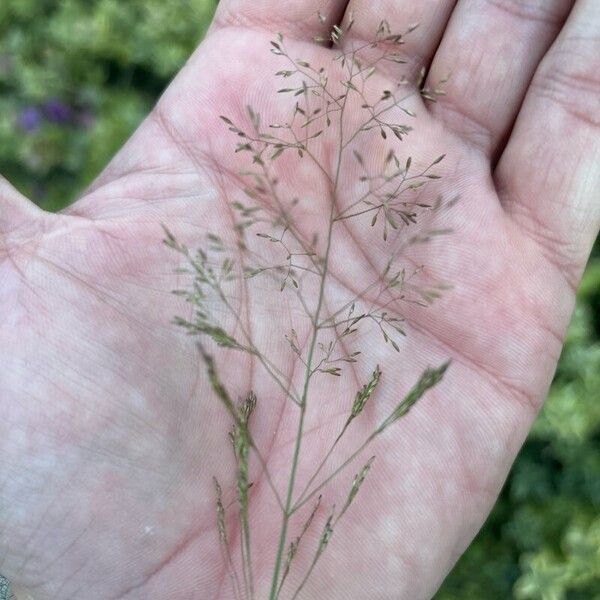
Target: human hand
[(111, 434)]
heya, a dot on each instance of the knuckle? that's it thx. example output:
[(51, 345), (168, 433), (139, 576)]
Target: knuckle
[(540, 11), (570, 79)]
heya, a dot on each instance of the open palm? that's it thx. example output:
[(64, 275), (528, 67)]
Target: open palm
[(111, 433)]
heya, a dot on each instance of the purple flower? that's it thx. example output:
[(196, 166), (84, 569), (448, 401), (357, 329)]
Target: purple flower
[(29, 118), (57, 111)]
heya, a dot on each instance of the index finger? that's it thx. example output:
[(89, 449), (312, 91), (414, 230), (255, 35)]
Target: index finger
[(296, 18)]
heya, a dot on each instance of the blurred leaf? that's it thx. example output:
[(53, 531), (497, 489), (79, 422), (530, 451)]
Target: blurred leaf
[(106, 62)]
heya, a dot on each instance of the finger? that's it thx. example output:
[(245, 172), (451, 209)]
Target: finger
[(420, 45), (295, 18), (491, 49), (549, 174)]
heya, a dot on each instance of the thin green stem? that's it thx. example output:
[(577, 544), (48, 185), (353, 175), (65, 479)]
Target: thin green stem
[(395, 194), (306, 577), (321, 485), (321, 465), (269, 367), (244, 560), (248, 556), (308, 373), (263, 464), (300, 431)]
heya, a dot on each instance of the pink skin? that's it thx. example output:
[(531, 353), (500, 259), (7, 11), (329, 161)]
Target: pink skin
[(110, 433)]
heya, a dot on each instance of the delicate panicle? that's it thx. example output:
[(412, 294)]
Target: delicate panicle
[(270, 248)]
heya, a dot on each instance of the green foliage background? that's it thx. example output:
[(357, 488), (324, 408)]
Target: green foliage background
[(77, 76)]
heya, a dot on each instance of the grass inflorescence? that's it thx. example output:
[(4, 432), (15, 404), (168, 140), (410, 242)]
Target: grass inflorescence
[(390, 201)]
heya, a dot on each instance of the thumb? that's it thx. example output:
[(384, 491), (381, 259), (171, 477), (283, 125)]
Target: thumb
[(20, 219)]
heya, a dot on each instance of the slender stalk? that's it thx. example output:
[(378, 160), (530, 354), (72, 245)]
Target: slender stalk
[(233, 576), (322, 464), (263, 464), (246, 551), (295, 459), (247, 589), (300, 431), (301, 502), (269, 367), (307, 576)]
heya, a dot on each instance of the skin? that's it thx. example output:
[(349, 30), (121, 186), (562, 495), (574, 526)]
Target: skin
[(110, 433)]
